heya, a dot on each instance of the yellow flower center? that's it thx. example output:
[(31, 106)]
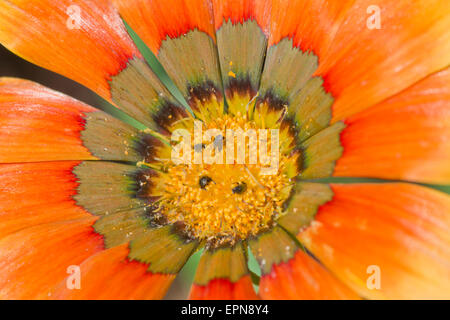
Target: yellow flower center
[(224, 202)]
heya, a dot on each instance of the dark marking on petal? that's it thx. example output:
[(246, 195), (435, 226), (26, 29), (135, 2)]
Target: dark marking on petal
[(142, 185), (167, 114), (147, 146), (273, 100), (240, 86), (203, 93), (139, 92)]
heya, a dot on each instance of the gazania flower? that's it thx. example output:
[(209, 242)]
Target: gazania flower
[(350, 96)]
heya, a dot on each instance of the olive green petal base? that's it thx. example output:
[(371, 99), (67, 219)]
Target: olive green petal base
[(114, 192), (191, 60), (287, 83), (222, 263), (321, 151), (311, 108), (138, 91), (303, 205), (287, 69), (163, 248), (109, 138), (242, 49), (272, 248)]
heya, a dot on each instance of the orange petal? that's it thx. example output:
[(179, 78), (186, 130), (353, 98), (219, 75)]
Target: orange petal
[(363, 66), (181, 34), (37, 193), (302, 278), (222, 289), (405, 137), (39, 124), (385, 240), (83, 40), (109, 275), (35, 259)]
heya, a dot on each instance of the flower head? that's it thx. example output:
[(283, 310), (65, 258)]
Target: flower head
[(271, 99)]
